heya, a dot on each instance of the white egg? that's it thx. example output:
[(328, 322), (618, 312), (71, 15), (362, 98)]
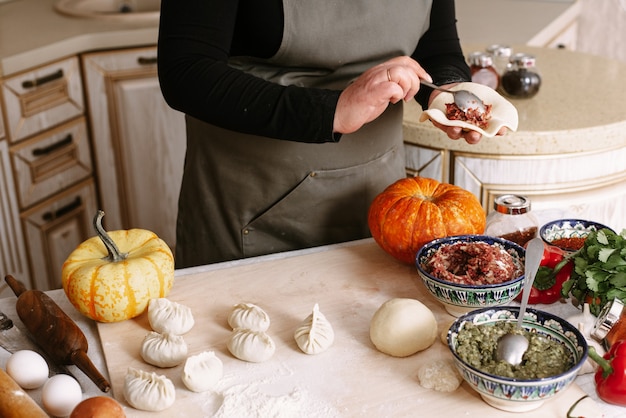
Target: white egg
[(60, 395), (28, 369)]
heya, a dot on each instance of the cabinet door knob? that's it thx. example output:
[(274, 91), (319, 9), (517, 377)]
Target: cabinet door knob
[(147, 60), (29, 84), (52, 215), (37, 152)]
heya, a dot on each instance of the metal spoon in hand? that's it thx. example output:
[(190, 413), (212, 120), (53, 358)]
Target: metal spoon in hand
[(511, 347), (464, 99)]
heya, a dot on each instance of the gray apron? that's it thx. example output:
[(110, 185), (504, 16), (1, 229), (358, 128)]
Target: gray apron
[(245, 195)]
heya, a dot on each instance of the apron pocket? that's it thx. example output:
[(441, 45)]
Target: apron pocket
[(326, 207)]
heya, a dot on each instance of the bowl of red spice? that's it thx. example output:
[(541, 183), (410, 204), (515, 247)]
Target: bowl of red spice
[(569, 234)]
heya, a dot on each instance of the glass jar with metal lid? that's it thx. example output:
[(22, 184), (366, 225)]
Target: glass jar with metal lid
[(610, 326), (501, 55), (482, 70), (522, 79), (512, 219)]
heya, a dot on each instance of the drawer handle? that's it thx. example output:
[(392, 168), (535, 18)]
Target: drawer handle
[(52, 215), (147, 60), (37, 152), (29, 84)]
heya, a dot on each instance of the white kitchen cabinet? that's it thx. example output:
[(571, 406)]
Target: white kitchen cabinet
[(42, 98), (45, 156), (51, 161), (54, 228), (139, 141), (13, 258)]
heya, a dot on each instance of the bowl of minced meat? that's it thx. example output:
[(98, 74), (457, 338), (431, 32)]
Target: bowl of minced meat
[(468, 272), (557, 351)]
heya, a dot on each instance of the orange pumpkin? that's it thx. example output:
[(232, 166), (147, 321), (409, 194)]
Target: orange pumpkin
[(111, 277), (415, 210)]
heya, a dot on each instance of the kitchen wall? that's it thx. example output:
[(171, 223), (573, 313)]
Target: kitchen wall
[(602, 28)]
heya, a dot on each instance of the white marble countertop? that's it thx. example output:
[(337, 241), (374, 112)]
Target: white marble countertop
[(95, 352)]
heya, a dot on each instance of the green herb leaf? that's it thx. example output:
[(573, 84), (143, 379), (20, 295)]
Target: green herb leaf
[(599, 269)]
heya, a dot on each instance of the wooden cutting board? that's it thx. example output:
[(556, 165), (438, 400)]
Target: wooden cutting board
[(352, 378)]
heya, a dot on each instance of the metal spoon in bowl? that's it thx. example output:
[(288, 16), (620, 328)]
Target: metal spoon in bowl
[(511, 347), (464, 99)]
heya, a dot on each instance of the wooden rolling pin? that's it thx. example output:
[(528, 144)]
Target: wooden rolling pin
[(14, 402), (54, 331)]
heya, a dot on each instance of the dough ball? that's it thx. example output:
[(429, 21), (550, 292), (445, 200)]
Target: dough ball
[(402, 326), (98, 407), (202, 371), (60, 395), (440, 375), (28, 369)]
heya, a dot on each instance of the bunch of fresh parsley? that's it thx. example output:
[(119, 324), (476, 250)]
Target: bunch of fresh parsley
[(599, 273)]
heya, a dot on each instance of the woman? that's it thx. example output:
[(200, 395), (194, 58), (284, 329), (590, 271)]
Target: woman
[(294, 115)]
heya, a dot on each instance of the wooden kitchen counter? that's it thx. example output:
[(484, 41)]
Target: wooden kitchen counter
[(349, 281)]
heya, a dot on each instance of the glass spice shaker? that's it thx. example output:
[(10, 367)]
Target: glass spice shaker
[(501, 55), (610, 326), (482, 69), (522, 79), (512, 219)]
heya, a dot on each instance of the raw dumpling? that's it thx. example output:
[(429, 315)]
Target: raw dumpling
[(202, 371), (169, 317), (249, 316), (148, 391), (315, 334), (252, 346), (163, 350)]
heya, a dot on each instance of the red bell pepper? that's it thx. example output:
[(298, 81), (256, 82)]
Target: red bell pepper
[(554, 270), (611, 375)]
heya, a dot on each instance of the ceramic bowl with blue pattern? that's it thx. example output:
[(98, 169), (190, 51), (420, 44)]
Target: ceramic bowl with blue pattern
[(517, 395), (459, 299), (568, 228)]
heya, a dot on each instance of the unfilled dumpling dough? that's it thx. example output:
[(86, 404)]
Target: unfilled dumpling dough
[(315, 334), (403, 326), (249, 316), (163, 350), (169, 317), (148, 391), (202, 371), (252, 346)]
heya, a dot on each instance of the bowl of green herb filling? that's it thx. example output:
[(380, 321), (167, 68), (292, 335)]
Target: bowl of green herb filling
[(556, 352)]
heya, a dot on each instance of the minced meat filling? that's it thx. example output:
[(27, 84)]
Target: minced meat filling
[(473, 116), (474, 263)]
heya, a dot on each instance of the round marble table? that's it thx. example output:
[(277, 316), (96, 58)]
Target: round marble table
[(569, 149)]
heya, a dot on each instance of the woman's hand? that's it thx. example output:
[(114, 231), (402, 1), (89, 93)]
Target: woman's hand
[(369, 95), (456, 132)]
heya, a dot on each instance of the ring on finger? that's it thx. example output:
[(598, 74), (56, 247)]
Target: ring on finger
[(389, 74)]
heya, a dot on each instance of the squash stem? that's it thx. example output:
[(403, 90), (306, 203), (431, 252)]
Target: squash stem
[(114, 253)]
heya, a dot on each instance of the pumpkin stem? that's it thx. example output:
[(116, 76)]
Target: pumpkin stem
[(114, 252)]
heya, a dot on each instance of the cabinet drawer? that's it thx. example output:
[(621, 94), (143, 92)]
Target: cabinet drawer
[(42, 98), (54, 229), (47, 163)]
